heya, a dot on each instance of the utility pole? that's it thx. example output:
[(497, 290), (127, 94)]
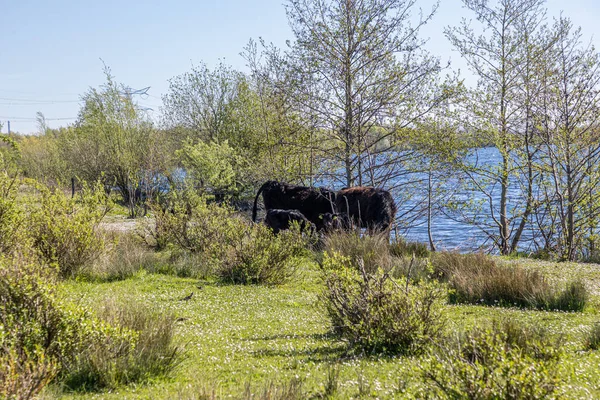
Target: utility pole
[(8, 128)]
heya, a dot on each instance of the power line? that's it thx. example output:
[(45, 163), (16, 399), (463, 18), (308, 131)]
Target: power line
[(29, 119), (34, 101), (37, 93)]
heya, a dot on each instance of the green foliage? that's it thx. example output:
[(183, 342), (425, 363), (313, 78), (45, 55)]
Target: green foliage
[(11, 215), (592, 340), (372, 250), (124, 256), (376, 312), (195, 225), (115, 142), (42, 158), (477, 279), (35, 334), (215, 167), (64, 229), (401, 247), (224, 244), (256, 255), (143, 349), (505, 361), (9, 154)]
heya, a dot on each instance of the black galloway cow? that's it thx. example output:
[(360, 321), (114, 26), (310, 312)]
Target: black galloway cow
[(335, 222), (309, 201), (280, 220), (367, 207)]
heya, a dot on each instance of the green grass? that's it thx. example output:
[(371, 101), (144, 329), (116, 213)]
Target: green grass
[(240, 335)]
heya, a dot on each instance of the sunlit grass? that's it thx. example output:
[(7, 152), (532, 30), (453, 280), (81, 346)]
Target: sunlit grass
[(240, 335)]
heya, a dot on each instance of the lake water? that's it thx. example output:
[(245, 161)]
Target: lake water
[(449, 230)]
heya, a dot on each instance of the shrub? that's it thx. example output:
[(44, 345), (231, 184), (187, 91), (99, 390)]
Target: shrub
[(37, 336), (64, 230), (144, 350), (11, 217), (375, 312), (400, 247), (477, 279), (194, 225), (24, 374), (505, 361), (210, 239), (259, 256)]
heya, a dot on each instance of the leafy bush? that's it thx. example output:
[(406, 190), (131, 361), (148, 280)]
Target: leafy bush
[(64, 230), (373, 311), (195, 225), (216, 241), (37, 336), (11, 217), (505, 361), (144, 350), (215, 167), (477, 279), (259, 256)]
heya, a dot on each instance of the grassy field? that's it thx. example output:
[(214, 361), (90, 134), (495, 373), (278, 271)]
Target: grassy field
[(240, 339)]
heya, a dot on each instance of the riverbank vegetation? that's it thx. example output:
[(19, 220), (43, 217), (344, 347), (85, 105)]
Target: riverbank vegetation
[(129, 266)]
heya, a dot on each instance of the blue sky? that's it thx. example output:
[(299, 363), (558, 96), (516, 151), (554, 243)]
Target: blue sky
[(50, 51)]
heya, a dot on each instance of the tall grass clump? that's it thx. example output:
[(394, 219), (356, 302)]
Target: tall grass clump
[(144, 350), (375, 312), (478, 279), (502, 361), (125, 255), (592, 340), (372, 250), (272, 390), (64, 230)]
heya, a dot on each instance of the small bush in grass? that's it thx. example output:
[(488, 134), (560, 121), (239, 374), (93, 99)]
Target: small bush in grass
[(592, 340), (144, 350), (259, 256), (478, 279), (375, 312), (573, 297), (194, 225), (401, 248), (37, 336), (64, 230), (504, 361), (373, 250)]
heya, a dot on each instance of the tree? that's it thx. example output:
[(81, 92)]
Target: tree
[(115, 142), (570, 131), (498, 111), (197, 101), (361, 76)]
